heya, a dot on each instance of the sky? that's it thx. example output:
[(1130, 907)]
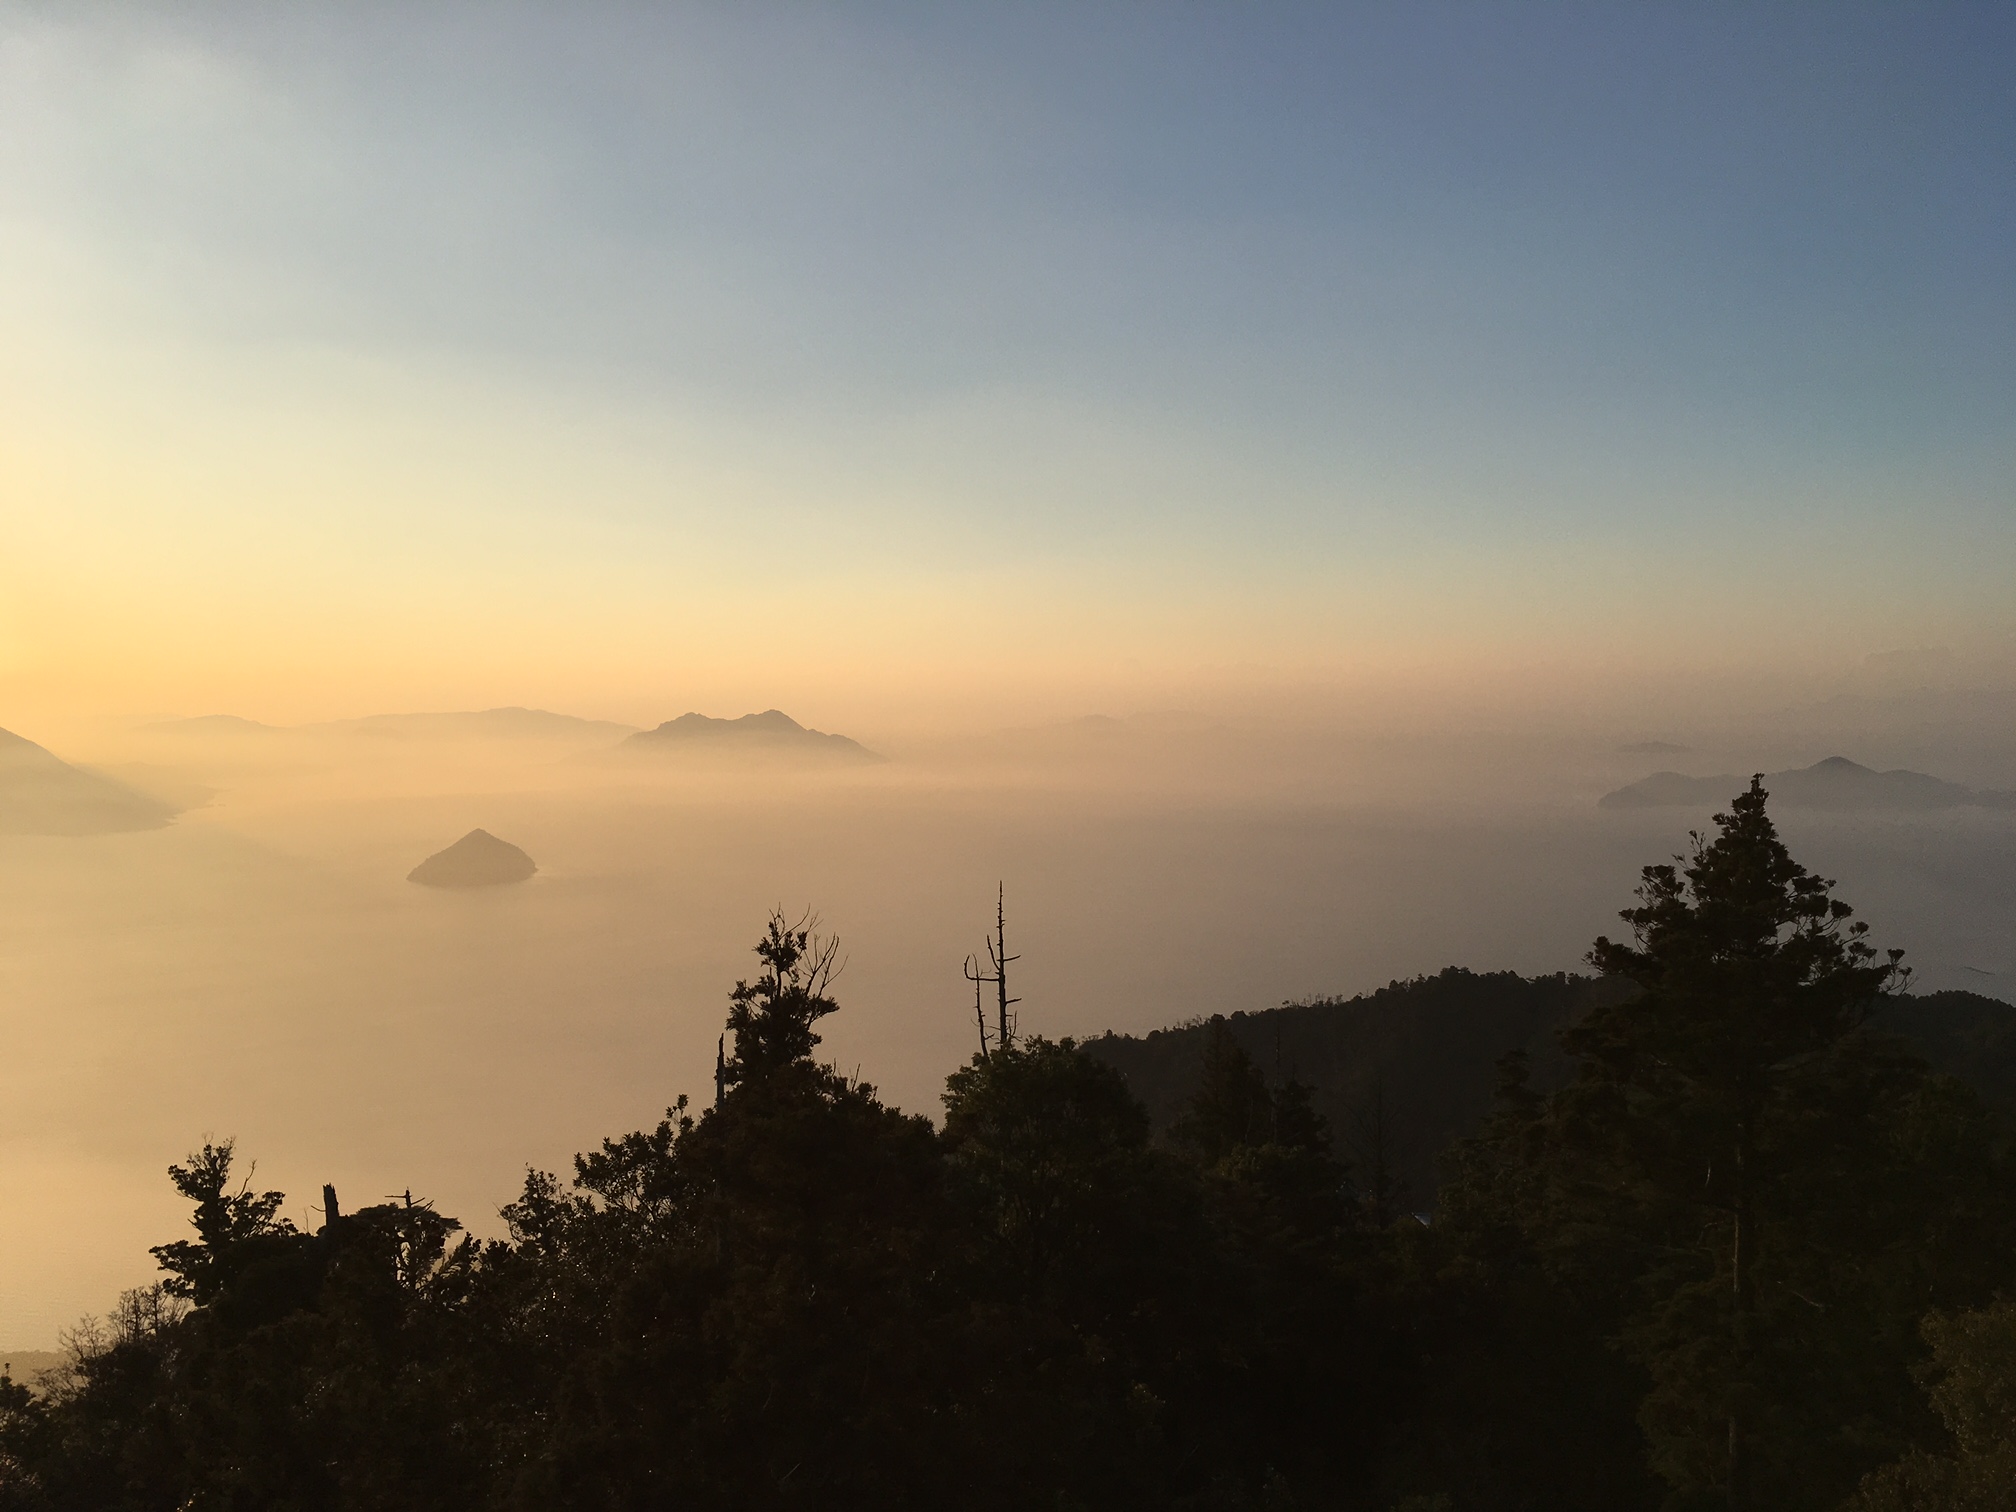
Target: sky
[(928, 360)]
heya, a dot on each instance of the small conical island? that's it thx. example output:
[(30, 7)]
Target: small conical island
[(478, 859)]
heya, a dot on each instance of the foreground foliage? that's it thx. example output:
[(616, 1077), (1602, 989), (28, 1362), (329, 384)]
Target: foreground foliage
[(1746, 1257)]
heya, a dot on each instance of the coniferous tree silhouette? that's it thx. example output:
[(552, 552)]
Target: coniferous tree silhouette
[(1751, 975), (226, 1222), (1730, 1183), (772, 1017)]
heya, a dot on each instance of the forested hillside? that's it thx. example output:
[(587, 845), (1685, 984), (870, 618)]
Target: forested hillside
[(1402, 1072), (1962, 1034), (1398, 1073), (1741, 1249)]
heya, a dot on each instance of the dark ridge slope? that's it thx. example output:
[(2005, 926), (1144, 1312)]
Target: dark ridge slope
[(1963, 1034), (1428, 1049)]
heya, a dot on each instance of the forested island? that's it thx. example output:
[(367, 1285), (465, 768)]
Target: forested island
[(1731, 1224)]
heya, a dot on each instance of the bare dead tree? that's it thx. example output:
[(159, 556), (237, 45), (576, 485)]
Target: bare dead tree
[(997, 959), (974, 975), (997, 952)]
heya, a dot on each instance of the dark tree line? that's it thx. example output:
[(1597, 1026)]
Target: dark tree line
[(1747, 1257)]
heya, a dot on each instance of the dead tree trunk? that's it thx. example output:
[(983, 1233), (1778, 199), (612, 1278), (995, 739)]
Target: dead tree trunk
[(998, 959), (974, 975), (997, 951)]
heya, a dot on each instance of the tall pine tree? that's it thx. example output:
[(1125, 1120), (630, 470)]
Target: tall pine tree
[(1757, 1195)]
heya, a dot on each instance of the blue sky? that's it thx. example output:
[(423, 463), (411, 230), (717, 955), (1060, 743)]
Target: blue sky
[(1503, 323)]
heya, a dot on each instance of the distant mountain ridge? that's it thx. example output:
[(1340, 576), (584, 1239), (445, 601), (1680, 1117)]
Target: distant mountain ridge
[(509, 723), (773, 731), (210, 724), (42, 794), (1836, 783)]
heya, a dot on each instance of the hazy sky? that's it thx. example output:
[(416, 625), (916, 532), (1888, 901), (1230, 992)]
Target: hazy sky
[(628, 358)]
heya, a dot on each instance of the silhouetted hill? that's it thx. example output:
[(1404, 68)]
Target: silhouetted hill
[(772, 732), (1836, 783), (41, 794), (478, 859), (1964, 1035), (1428, 1049)]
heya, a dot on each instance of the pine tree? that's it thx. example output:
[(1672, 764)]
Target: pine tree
[(1755, 1191), (1751, 975), (227, 1223), (744, 1309), (772, 1017)]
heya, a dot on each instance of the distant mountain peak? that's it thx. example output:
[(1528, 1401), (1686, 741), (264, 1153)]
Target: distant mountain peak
[(772, 721), (771, 732)]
